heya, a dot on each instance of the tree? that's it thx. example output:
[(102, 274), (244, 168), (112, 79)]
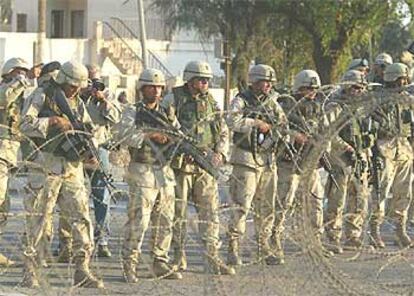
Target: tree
[(288, 34)]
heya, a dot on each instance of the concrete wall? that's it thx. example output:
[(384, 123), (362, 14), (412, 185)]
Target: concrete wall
[(184, 47), (62, 50)]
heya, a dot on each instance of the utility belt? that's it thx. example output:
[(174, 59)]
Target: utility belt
[(73, 147)]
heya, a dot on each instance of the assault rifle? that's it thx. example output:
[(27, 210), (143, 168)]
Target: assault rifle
[(324, 159), (78, 146), (184, 143)]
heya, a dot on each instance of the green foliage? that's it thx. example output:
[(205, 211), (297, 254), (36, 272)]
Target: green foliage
[(5, 11), (292, 35)]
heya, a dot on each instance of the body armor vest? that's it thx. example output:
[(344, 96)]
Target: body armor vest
[(151, 152), (254, 109), (198, 117)]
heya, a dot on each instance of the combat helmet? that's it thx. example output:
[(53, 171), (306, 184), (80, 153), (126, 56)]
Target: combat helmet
[(354, 77), (12, 64), (306, 78), (394, 71), (151, 77), (73, 73), (197, 69), (261, 72)]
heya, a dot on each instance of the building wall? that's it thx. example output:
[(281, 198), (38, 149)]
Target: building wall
[(30, 7), (62, 50)]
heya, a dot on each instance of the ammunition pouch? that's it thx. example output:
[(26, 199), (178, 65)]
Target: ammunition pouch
[(73, 147)]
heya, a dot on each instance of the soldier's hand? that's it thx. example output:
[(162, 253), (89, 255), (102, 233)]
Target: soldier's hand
[(349, 149), (217, 159), (91, 163), (60, 123), (301, 139), (158, 137), (263, 127)]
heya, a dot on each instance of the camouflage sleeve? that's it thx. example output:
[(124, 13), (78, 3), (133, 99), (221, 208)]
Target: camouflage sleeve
[(235, 119), (11, 90), (31, 125), (222, 146), (282, 120), (125, 132), (332, 113), (108, 112)]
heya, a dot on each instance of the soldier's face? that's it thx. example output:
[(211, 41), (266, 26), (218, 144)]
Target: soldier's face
[(308, 92), (262, 87), (17, 72), (200, 84), (70, 90), (355, 90), (151, 93)]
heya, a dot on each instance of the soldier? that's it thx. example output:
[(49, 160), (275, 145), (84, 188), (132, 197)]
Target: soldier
[(376, 74), (57, 171), (395, 122), (104, 112), (304, 113), (350, 154), (49, 72), (13, 84), (257, 121), (150, 178), (200, 118)]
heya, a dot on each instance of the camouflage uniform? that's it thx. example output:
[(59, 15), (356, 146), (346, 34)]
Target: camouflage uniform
[(350, 169), (396, 177), (200, 118), (254, 179), (11, 100), (299, 112), (55, 179), (103, 115)]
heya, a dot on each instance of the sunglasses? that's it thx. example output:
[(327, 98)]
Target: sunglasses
[(203, 80), (357, 87)]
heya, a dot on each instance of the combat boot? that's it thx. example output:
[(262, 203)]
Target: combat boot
[(402, 239), (233, 257), (375, 238), (30, 274), (65, 252), (353, 244), (104, 252), (180, 259), (4, 261), (83, 277), (215, 265), (278, 256), (334, 245), (130, 271), (162, 270)]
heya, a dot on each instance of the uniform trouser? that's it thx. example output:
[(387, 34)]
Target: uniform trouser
[(253, 187), (289, 190), (395, 178), (357, 206), (101, 201), (42, 193), (352, 192), (202, 190), (4, 197), (149, 205), (336, 197)]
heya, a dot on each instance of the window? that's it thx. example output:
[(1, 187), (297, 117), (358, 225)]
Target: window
[(76, 21), (57, 24), (21, 22)]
